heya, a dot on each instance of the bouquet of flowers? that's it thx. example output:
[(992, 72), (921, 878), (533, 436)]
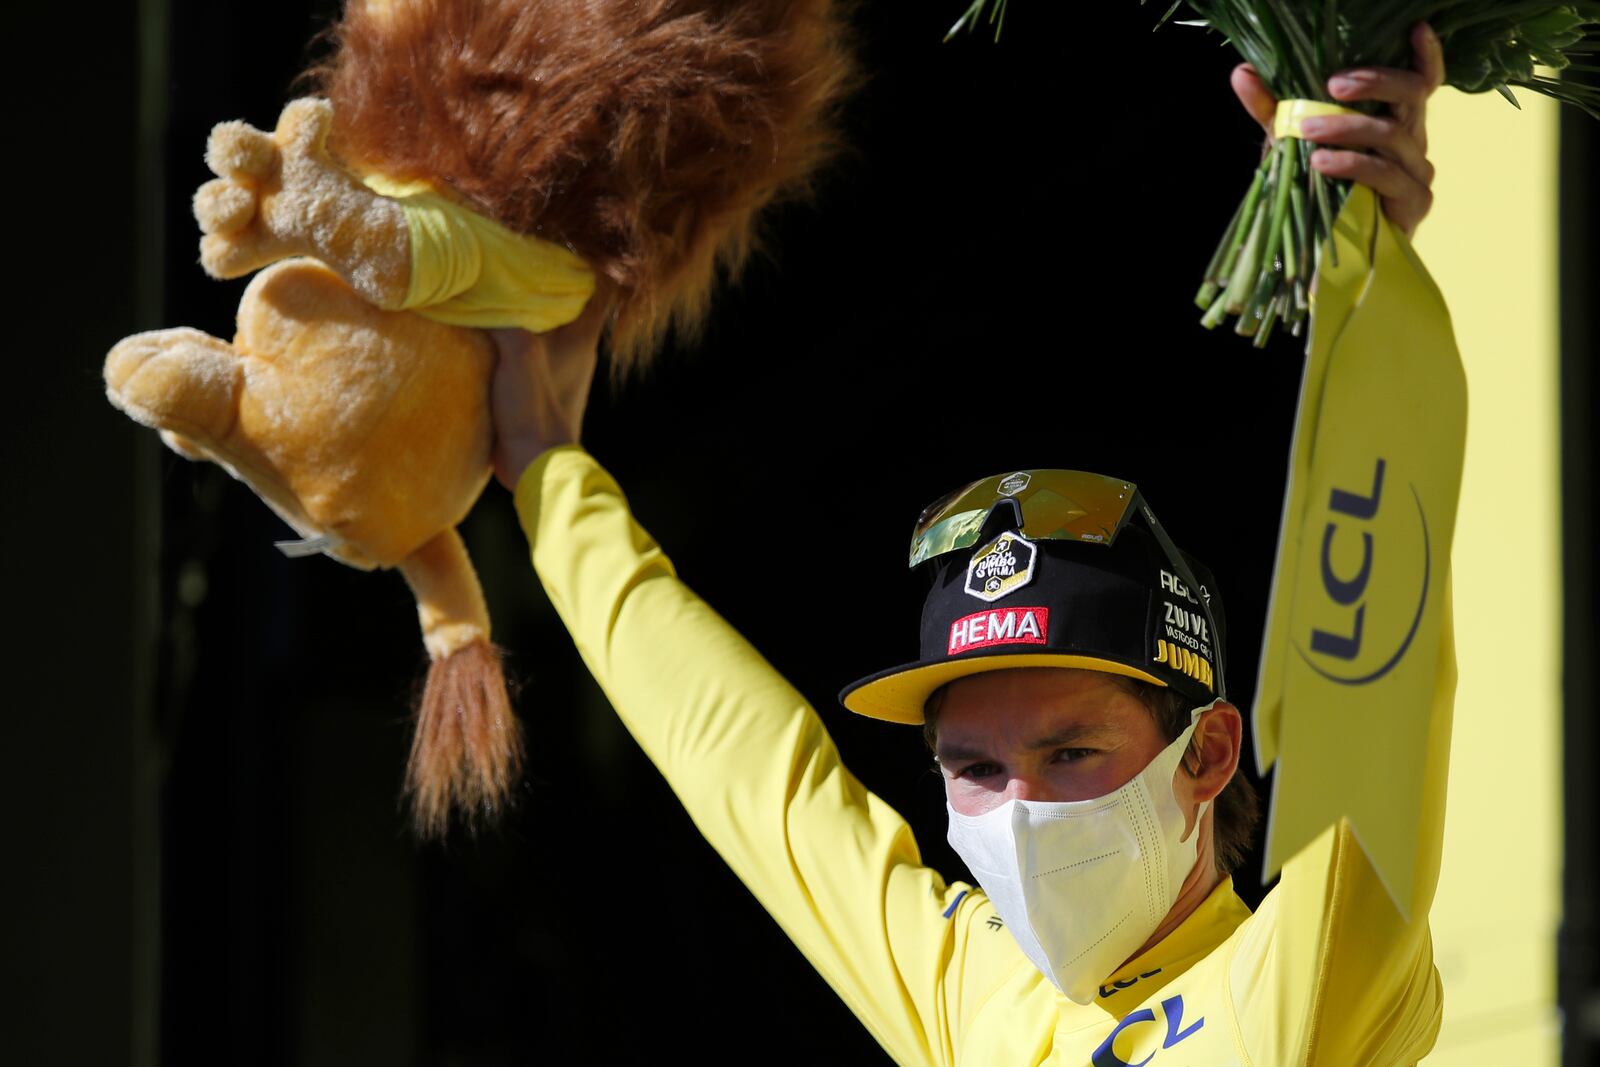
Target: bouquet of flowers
[(1262, 268)]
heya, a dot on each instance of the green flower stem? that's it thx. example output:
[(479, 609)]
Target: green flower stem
[(1209, 289), (1244, 274), (1302, 238), (1268, 320), (1291, 254), (1260, 297), (1242, 278), (1285, 176), (1247, 210), (1319, 185)]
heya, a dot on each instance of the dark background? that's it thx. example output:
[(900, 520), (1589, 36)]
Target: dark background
[(207, 738)]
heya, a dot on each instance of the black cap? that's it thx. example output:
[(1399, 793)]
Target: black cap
[(1013, 602)]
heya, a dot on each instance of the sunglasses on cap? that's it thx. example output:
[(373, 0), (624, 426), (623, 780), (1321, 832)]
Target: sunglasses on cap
[(1049, 505)]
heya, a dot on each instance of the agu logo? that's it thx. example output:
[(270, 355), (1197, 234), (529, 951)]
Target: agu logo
[(1362, 627)]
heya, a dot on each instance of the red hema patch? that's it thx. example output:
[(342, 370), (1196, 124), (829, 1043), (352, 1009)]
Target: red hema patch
[(1008, 626)]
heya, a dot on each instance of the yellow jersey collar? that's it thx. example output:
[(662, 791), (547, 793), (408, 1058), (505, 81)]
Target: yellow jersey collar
[(1208, 926)]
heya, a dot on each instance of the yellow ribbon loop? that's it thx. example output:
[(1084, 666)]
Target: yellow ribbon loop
[(1286, 123)]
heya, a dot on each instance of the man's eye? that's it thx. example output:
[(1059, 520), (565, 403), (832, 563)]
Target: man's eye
[(1068, 755), (978, 770)]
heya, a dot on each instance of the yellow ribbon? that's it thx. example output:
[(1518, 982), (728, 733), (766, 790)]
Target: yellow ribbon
[(1286, 123), (1358, 648)]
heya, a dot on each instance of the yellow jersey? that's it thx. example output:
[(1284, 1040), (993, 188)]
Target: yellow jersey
[(1326, 971)]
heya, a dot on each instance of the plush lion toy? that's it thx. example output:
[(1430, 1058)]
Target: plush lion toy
[(470, 164)]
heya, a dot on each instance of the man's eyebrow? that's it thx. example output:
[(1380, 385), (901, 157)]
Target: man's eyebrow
[(1077, 732), (958, 753), (1083, 731)]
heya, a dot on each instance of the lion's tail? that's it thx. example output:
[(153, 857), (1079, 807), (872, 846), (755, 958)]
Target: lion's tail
[(466, 752)]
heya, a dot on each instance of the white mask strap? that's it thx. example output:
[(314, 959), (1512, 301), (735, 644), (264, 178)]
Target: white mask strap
[(1188, 737)]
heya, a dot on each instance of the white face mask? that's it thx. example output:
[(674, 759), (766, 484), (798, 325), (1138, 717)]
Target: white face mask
[(1082, 884)]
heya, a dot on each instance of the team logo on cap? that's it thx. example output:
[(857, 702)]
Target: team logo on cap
[(1000, 567), (1015, 483), (1002, 626), (1186, 660), (1182, 634)]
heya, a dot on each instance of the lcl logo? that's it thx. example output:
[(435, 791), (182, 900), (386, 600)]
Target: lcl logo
[(1176, 1031), (1351, 515)]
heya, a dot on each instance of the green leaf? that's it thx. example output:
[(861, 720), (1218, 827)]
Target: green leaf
[(974, 14)]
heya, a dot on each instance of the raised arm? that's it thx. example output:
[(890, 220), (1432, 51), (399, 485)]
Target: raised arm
[(752, 762), (1329, 971)]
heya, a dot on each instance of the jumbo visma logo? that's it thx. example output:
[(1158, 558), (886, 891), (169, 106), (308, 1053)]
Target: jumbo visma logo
[(1376, 566), (1000, 567)]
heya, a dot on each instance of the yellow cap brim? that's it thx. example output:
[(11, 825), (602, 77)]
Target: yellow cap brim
[(899, 694)]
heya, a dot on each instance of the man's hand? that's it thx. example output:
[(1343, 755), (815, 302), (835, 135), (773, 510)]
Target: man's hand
[(1397, 166), (541, 387)]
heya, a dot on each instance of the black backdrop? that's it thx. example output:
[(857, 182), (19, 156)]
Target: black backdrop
[(998, 276)]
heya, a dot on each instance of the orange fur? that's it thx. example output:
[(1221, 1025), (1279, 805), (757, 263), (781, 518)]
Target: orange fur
[(646, 135), (466, 751)]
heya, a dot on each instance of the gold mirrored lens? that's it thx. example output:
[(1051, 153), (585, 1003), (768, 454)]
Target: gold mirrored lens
[(1056, 505)]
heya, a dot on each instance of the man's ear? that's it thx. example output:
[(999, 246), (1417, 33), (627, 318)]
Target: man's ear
[(1213, 754)]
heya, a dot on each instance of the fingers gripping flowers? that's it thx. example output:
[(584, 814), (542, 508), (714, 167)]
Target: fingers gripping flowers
[(1360, 73), (1262, 268), (1344, 60)]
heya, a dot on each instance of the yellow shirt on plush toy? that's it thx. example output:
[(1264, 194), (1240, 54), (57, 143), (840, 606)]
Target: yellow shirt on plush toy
[(467, 270)]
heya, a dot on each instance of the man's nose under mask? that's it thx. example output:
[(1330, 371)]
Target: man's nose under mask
[(1082, 884)]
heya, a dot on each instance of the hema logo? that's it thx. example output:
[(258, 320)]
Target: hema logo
[(1352, 646), (1007, 626)]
